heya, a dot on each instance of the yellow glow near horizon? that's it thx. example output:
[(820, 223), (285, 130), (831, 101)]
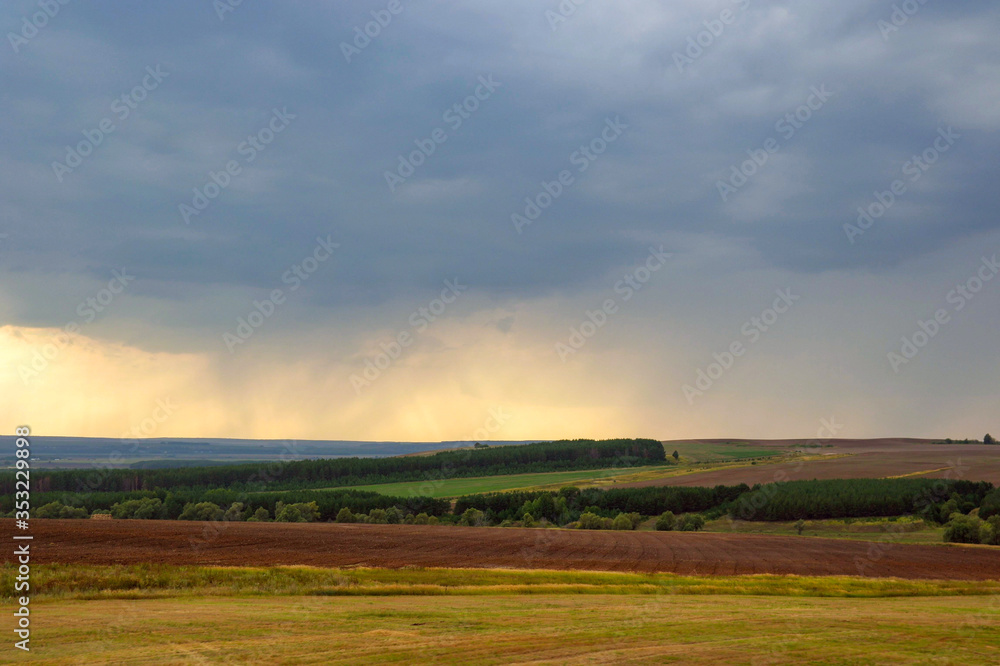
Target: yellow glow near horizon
[(72, 385)]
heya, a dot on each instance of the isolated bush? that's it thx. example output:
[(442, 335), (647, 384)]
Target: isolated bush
[(199, 511), (146, 508), (666, 522), (962, 529), (621, 522), (526, 521), (800, 525), (60, 510), (261, 515), (691, 522), (345, 515), (988, 439)]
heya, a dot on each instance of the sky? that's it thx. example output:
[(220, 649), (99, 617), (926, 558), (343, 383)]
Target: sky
[(438, 220)]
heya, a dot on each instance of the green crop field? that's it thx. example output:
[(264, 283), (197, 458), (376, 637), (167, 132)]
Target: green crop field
[(694, 456), (712, 452), (156, 614), (486, 484)]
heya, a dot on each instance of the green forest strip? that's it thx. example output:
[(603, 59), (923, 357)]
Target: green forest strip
[(301, 474)]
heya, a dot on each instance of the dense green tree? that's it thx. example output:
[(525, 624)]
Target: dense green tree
[(146, 508), (666, 522), (590, 521), (621, 522), (200, 511), (691, 522), (59, 510), (962, 529), (299, 512), (345, 515), (234, 512)]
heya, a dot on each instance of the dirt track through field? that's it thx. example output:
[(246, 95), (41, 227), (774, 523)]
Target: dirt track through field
[(335, 545)]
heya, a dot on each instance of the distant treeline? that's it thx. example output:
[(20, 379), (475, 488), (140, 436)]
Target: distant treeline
[(173, 502), (855, 498), (931, 499), (300, 474), (649, 501)]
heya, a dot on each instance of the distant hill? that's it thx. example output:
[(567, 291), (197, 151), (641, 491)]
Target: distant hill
[(83, 452)]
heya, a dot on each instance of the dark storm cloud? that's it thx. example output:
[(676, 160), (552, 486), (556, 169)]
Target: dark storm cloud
[(324, 173)]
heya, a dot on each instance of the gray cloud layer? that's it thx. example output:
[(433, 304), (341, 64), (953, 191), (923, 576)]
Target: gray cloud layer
[(324, 174)]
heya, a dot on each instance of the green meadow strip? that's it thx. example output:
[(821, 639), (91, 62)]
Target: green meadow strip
[(70, 581)]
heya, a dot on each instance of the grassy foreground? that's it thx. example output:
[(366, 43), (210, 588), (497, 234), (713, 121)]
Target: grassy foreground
[(515, 628)]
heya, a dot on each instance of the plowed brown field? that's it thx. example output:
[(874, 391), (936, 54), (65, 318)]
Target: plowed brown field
[(336, 545)]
